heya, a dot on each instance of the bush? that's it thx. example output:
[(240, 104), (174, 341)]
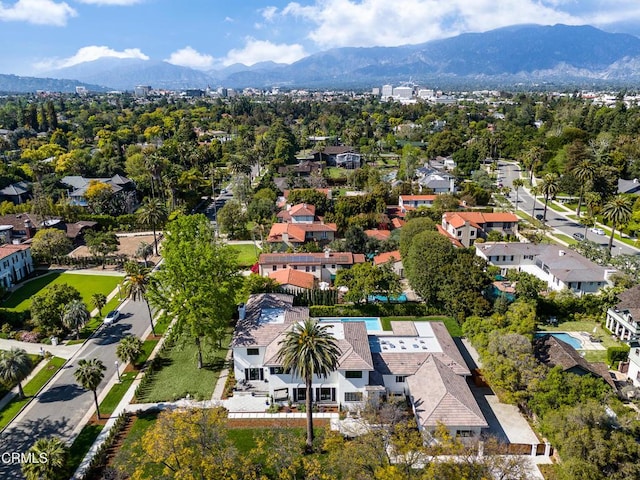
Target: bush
[(617, 354), (374, 310), (31, 337)]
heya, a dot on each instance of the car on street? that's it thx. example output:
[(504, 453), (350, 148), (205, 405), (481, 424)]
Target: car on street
[(111, 317), (597, 231), (579, 236), (539, 216)]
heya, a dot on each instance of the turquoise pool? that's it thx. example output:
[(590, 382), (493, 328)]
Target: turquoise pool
[(565, 337), (372, 323)]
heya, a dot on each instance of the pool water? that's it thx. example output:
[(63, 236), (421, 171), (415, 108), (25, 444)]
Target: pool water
[(565, 337), (372, 323)]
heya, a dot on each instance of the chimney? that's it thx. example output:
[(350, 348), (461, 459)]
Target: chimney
[(29, 229), (242, 311), (635, 180), (327, 253)]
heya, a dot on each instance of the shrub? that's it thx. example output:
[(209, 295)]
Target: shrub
[(31, 337), (374, 310), (617, 354)]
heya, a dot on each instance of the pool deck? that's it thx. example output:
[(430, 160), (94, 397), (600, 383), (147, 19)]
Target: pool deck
[(585, 340)]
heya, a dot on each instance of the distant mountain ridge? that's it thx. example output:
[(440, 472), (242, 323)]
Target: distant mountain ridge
[(528, 54)]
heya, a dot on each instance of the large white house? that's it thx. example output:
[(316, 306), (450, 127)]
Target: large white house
[(15, 264), (559, 267), (416, 360), (623, 319)]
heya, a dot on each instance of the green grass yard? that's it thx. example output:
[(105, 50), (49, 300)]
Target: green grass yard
[(452, 326), (30, 389), (82, 444), (565, 238), (587, 326), (180, 376), (111, 401), (87, 285), (247, 254)]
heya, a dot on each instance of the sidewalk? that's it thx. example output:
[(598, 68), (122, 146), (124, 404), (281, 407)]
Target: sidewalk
[(63, 351), (14, 391)]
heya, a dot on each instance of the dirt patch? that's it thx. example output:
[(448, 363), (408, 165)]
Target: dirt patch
[(128, 246)]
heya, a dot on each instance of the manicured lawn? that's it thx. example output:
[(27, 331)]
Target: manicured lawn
[(87, 285), (565, 238), (244, 439), (82, 444), (247, 254), (336, 172), (180, 376), (452, 326), (30, 389), (587, 326), (116, 393), (147, 348), (556, 208), (130, 451)]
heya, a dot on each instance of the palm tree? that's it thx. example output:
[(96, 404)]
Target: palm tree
[(99, 300), (549, 188), (535, 191), (618, 211), (309, 349), (584, 172), (129, 349), (136, 284), (15, 365), (144, 251), (75, 316), (49, 456), (152, 212), (89, 374), (531, 158), (517, 183)]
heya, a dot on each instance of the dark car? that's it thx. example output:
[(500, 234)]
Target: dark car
[(579, 237), (539, 216)]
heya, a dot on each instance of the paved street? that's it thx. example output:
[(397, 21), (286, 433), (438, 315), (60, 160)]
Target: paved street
[(60, 408), (510, 171)]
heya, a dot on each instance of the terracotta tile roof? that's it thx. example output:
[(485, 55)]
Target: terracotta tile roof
[(296, 278), (441, 396), (397, 222), (412, 198), (298, 231), (9, 249), (378, 234), (302, 209), (453, 240), (458, 219), (386, 256)]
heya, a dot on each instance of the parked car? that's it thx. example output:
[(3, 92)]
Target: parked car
[(539, 216), (579, 236), (111, 317), (597, 231)]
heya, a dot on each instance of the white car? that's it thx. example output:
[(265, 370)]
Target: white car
[(597, 231), (111, 317)]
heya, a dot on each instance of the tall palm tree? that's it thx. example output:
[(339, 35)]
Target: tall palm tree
[(75, 316), (15, 365), (549, 188), (309, 349), (129, 349), (618, 211), (136, 284), (144, 251), (49, 462), (89, 374), (517, 183), (584, 172), (152, 212), (532, 157), (99, 300)]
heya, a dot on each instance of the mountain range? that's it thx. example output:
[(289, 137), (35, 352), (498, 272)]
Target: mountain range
[(528, 55)]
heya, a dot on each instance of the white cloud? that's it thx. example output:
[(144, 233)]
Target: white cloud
[(111, 2), (38, 12), (255, 51), (269, 13), (228, 19), (385, 23), (188, 57), (88, 54)]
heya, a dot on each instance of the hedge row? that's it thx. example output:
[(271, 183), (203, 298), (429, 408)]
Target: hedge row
[(99, 460), (374, 310)]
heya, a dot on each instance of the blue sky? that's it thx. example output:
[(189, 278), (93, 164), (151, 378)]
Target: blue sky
[(41, 35)]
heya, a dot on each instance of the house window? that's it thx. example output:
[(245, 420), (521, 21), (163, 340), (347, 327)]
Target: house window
[(295, 267), (274, 268), (299, 394), (353, 374), (400, 378), (459, 233), (472, 233), (333, 266), (253, 374), (306, 269), (253, 351), (325, 394), (352, 396), (276, 370), (511, 258), (323, 235), (464, 433), (313, 269)]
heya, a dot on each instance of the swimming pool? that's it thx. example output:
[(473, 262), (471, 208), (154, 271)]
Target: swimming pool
[(372, 323), (565, 337)]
